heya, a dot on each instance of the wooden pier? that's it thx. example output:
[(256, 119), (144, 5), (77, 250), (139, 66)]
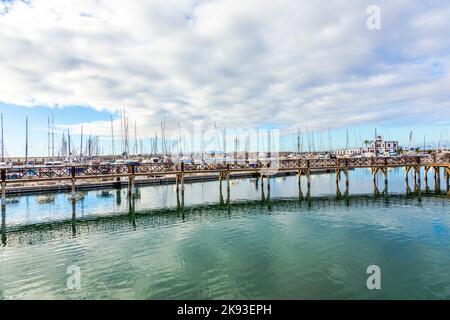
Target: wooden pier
[(262, 169)]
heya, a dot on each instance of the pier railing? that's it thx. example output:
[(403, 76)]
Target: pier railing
[(43, 173)]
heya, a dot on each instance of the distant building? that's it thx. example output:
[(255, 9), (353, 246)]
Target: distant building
[(381, 146), (349, 152)]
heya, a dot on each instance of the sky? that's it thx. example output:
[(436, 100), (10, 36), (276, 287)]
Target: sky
[(314, 65)]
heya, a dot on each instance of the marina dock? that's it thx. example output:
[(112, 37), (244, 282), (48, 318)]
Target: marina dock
[(76, 177)]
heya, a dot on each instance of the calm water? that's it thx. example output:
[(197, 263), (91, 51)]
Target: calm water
[(146, 248)]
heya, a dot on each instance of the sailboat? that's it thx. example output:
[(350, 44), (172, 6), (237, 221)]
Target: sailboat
[(3, 162)]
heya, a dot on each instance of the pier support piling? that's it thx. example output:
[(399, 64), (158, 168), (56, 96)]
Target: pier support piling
[(385, 172), (407, 169), (347, 186), (425, 177), (374, 180), (118, 197), (338, 178), (447, 170), (73, 189), (263, 198), (419, 178), (3, 193), (3, 185), (308, 180), (130, 185), (308, 185), (299, 182), (220, 188), (418, 183), (3, 209), (415, 178), (131, 172), (73, 182), (347, 179), (437, 179), (178, 199), (74, 218), (117, 183)]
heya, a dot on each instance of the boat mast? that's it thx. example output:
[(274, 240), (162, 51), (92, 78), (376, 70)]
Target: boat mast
[(235, 145), (81, 143), (224, 145), (135, 139), (26, 140), (162, 138), (48, 136), (3, 143), (63, 150), (121, 132), (127, 136), (156, 143), (257, 144), (330, 144), (68, 142), (53, 137), (112, 140), (346, 140), (308, 140), (375, 143), (180, 151), (163, 135)]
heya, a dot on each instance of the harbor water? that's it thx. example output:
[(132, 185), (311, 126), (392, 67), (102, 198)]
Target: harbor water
[(207, 244)]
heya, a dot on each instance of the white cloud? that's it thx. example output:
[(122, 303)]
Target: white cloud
[(245, 64)]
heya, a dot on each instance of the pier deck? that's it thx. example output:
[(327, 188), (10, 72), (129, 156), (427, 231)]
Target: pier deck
[(38, 175)]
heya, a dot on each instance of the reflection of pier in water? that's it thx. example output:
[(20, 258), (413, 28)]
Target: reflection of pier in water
[(74, 227)]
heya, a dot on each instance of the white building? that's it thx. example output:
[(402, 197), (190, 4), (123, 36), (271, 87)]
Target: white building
[(381, 146), (349, 152)]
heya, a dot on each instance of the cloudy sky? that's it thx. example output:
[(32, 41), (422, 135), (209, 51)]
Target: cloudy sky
[(240, 64)]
